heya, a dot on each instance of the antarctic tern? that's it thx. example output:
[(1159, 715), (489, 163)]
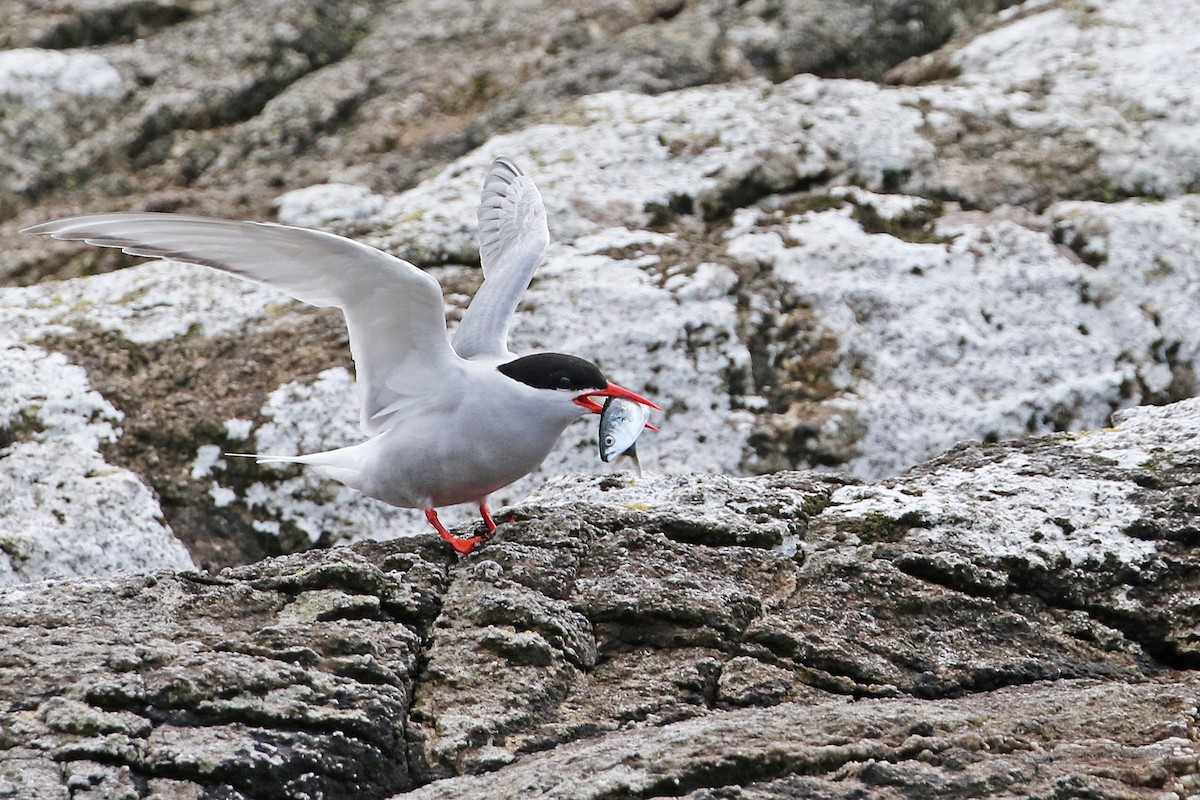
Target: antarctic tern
[(446, 421)]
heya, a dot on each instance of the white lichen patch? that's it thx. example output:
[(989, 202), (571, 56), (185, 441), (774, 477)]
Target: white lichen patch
[(148, 303), (238, 430), (620, 155), (318, 206), (995, 334), (1110, 73), (66, 512), (1147, 268), (37, 78), (221, 496), (1003, 510), (208, 458), (1152, 438), (42, 396)]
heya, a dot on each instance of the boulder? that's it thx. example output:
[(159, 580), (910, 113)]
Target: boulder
[(1011, 619), (811, 272)]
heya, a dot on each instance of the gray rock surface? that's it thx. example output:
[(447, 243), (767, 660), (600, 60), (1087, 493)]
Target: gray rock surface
[(949, 633), (810, 266), (841, 234), (236, 101)]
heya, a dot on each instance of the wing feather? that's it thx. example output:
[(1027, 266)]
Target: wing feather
[(513, 238), (394, 311)]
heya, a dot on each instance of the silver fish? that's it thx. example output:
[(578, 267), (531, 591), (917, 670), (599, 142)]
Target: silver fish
[(621, 423)]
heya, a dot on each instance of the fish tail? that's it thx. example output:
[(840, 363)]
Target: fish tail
[(632, 455)]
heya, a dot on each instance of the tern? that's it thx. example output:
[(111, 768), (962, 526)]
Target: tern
[(447, 421)]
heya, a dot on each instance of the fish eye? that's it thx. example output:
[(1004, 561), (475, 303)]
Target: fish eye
[(608, 440)]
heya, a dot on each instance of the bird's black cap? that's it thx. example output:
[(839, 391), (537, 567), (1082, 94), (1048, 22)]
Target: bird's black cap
[(555, 371)]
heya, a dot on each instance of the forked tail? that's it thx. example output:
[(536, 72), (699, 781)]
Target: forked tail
[(266, 459), (331, 464)]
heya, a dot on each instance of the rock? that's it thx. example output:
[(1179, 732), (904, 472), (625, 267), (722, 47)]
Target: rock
[(35, 77), (811, 272), (67, 511), (805, 265), (1034, 337), (694, 636), (223, 105), (872, 747), (1096, 108)]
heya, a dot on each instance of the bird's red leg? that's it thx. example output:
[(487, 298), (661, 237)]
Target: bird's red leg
[(460, 545), (486, 513)]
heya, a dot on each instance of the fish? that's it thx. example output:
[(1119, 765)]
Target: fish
[(621, 423)]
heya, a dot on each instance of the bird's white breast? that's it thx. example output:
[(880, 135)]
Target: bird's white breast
[(476, 435)]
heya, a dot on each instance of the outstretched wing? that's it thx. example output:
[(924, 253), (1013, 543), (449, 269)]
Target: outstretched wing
[(512, 241), (393, 310)]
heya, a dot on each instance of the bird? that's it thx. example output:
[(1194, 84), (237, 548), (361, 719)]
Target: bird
[(446, 420)]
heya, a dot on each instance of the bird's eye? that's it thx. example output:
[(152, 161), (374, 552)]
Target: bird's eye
[(565, 382)]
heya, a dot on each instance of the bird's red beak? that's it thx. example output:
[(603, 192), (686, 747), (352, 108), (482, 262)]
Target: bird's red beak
[(612, 390)]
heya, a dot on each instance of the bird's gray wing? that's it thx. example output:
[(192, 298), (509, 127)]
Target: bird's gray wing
[(512, 241), (394, 311)]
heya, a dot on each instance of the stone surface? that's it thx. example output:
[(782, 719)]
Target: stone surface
[(68, 509), (222, 104), (806, 265), (950, 631), (1035, 338)]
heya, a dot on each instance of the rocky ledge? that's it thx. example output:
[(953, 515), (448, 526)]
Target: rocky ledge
[(1011, 619)]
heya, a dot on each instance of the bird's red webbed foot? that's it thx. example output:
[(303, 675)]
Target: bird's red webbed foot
[(460, 544)]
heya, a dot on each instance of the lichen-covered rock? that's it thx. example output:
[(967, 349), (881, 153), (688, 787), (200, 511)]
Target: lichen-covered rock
[(1107, 534), (786, 266), (69, 510), (958, 325), (217, 106), (1094, 106), (804, 265), (962, 627), (34, 77)]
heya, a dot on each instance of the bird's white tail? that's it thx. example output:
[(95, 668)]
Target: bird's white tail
[(266, 459), (331, 464)]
